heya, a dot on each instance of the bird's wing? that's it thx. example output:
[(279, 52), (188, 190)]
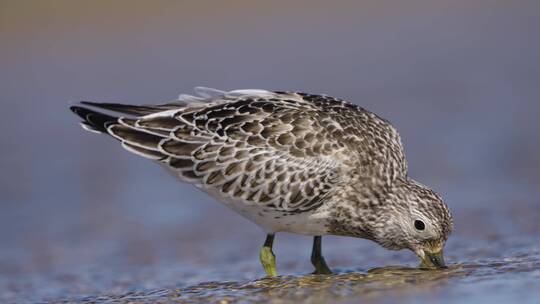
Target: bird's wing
[(275, 149)]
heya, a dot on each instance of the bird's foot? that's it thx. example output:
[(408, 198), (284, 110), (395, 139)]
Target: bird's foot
[(268, 261)]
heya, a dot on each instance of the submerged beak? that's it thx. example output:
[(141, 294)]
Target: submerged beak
[(434, 259)]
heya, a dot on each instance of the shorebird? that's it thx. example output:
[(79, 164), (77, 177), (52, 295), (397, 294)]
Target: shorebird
[(295, 162)]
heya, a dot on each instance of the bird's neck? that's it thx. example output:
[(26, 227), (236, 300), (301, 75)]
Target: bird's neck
[(356, 210)]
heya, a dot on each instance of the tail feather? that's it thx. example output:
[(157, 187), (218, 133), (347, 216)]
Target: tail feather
[(93, 120), (137, 140), (132, 109)]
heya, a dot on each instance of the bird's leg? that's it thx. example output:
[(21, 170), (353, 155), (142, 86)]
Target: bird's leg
[(268, 259), (317, 259)]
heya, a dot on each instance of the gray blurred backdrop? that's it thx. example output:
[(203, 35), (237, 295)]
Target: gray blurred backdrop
[(459, 79)]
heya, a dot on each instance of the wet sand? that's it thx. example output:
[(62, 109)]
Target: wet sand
[(460, 283), (221, 269)]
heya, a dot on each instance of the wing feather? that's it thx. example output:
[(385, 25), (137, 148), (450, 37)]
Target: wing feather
[(284, 151)]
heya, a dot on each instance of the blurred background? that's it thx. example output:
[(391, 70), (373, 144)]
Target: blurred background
[(79, 215)]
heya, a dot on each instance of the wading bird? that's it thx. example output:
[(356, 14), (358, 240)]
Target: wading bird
[(295, 162)]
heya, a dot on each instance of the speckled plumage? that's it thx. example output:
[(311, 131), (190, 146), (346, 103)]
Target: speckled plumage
[(296, 162)]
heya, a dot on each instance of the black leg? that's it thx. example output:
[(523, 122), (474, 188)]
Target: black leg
[(269, 241), (317, 259)]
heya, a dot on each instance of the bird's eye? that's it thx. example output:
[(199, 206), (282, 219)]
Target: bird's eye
[(419, 225)]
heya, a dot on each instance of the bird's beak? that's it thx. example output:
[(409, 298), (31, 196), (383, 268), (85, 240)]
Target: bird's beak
[(432, 259)]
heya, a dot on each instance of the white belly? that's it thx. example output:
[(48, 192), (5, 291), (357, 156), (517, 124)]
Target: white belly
[(308, 223)]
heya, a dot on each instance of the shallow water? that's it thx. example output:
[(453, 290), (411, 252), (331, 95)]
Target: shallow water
[(503, 268), (460, 282)]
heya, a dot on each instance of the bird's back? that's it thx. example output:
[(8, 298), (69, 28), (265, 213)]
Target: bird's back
[(281, 152)]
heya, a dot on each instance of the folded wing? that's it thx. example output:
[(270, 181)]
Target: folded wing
[(260, 147)]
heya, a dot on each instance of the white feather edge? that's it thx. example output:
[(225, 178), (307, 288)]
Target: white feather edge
[(132, 150), (89, 128), (211, 96), (205, 94)]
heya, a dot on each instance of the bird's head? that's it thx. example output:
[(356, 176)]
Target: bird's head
[(412, 216)]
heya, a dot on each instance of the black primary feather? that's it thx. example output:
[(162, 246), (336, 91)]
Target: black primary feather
[(94, 120), (132, 109)]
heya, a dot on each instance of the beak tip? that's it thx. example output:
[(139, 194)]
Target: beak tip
[(433, 260)]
